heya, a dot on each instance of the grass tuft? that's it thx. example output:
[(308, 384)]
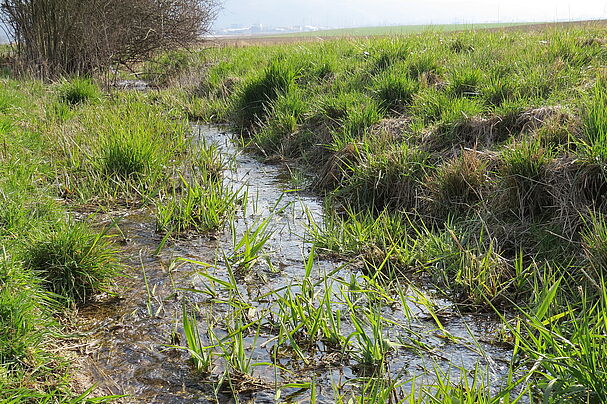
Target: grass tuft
[(594, 242), (524, 168), (465, 82), (459, 183), (257, 95), (394, 90), (197, 205), (78, 91), (73, 262), (388, 179), (126, 155), (594, 142)]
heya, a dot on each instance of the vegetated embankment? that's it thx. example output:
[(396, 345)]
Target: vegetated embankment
[(476, 159)]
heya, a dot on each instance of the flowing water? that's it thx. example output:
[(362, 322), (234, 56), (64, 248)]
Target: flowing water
[(128, 351)]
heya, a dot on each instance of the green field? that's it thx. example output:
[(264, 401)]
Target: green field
[(403, 29), (463, 175)]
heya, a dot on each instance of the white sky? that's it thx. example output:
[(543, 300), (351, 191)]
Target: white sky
[(344, 13)]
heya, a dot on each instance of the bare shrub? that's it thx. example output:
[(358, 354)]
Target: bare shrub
[(57, 37)]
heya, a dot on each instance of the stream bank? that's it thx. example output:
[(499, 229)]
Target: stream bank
[(129, 351)]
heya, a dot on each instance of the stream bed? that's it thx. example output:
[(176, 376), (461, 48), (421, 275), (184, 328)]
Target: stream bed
[(130, 344)]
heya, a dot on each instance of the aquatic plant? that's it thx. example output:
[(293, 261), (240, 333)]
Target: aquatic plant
[(201, 206), (249, 248)]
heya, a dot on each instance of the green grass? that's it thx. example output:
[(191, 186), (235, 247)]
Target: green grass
[(22, 322), (125, 150), (524, 171), (201, 202), (394, 91), (198, 206), (257, 95), (473, 159), (201, 355), (66, 148), (166, 67), (72, 261), (473, 126), (249, 249), (458, 184), (78, 91)]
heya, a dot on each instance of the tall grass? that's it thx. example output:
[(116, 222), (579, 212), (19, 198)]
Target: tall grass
[(125, 151), (67, 148), (199, 206), (394, 90), (594, 142), (386, 179), (78, 91), (200, 201), (23, 323), (459, 183), (524, 170), (73, 261), (256, 96)]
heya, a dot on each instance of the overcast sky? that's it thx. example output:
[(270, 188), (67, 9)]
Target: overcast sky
[(347, 13)]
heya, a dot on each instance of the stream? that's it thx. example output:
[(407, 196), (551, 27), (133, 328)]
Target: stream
[(128, 347)]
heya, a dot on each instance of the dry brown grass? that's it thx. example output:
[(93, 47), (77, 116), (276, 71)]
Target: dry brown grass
[(459, 183), (337, 168), (390, 129), (486, 132)]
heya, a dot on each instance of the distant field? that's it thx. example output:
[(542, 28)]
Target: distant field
[(397, 30), (401, 29), (315, 36)]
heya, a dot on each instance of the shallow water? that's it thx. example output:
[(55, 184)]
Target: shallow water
[(128, 349)]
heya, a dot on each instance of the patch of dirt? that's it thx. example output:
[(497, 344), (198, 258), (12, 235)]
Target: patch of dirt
[(593, 42), (534, 119)]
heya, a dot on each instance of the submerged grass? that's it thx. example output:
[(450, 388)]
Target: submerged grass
[(201, 202), (199, 207)]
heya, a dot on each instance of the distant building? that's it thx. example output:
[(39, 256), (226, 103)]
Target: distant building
[(256, 29)]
